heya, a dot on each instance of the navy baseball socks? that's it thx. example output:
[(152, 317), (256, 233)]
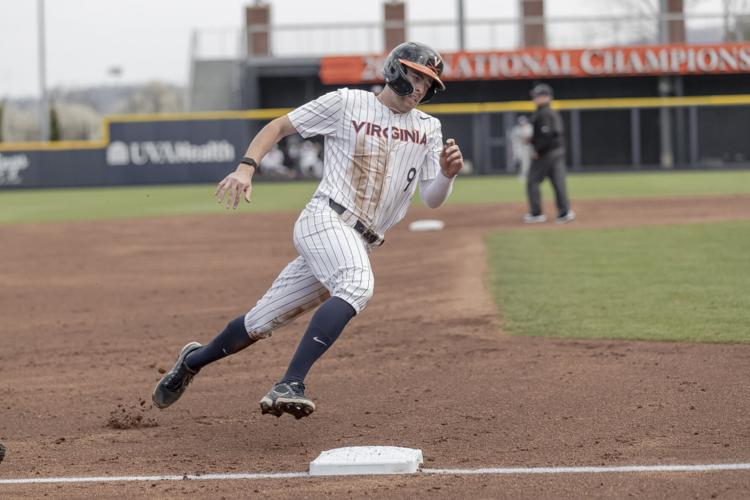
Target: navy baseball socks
[(288, 395), (233, 339), (325, 327), (194, 356)]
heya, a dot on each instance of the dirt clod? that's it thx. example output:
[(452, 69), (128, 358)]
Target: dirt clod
[(131, 417)]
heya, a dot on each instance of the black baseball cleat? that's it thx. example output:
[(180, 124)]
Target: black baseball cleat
[(173, 384), (287, 397)]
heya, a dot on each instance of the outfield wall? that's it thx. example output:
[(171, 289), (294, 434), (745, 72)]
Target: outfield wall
[(616, 134), (135, 150)]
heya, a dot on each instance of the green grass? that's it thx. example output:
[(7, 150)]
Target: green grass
[(672, 283), (46, 205), (43, 205), (607, 185)]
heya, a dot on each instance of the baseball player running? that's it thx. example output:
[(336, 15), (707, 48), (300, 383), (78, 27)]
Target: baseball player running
[(377, 149)]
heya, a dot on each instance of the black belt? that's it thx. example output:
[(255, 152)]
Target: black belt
[(368, 235)]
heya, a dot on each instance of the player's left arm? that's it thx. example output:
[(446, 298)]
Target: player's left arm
[(435, 191), (451, 159)]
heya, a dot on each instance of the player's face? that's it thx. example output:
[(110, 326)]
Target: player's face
[(541, 100), (421, 84)]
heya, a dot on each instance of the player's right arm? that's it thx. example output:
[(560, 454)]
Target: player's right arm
[(318, 117), (239, 182)]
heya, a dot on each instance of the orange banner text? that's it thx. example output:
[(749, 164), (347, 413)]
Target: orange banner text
[(562, 63)]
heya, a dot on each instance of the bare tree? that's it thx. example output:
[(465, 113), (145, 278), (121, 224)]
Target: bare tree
[(736, 20), (78, 122), (641, 22), (74, 122), (21, 124), (76, 114), (155, 97), (630, 22)]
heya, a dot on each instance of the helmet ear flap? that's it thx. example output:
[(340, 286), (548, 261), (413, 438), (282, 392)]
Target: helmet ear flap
[(401, 86), (429, 94), (395, 77)]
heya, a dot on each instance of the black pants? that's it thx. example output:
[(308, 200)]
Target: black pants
[(552, 165)]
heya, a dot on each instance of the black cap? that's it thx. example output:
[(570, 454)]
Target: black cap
[(541, 89)]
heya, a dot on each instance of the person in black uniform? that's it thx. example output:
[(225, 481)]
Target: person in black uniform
[(548, 158)]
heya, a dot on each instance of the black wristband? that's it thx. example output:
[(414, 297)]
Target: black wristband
[(249, 161)]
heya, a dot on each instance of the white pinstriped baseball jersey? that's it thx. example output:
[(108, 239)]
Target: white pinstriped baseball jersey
[(373, 156), (374, 159)]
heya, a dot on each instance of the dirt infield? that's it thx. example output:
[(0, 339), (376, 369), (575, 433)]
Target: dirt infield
[(91, 313)]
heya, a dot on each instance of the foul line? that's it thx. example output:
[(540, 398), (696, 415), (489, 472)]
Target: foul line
[(184, 477), (459, 472), (593, 470)]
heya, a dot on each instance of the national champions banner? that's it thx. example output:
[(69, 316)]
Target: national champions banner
[(558, 63)]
